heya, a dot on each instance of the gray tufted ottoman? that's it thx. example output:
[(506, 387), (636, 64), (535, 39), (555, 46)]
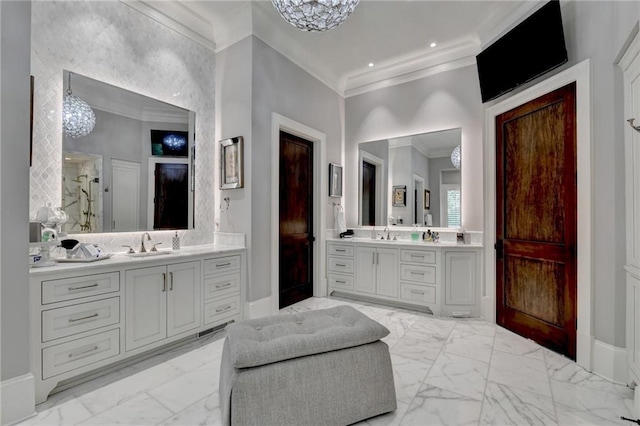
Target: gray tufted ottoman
[(324, 367)]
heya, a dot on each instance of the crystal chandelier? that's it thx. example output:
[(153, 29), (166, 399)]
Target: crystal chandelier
[(315, 15), (455, 157), (78, 119)]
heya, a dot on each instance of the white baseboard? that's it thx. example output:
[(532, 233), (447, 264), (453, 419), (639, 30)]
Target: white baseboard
[(609, 362), (259, 308), (17, 399)]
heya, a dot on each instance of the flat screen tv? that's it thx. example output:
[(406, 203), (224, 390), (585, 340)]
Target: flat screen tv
[(529, 50), (171, 143)]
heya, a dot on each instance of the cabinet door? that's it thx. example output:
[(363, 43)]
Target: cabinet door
[(366, 269), (387, 274), (146, 306), (184, 297), (460, 278)]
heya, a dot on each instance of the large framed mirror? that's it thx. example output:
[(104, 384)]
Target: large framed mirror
[(135, 170), (424, 164)]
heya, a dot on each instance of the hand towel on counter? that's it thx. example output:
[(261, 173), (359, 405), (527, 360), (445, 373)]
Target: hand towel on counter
[(341, 222)]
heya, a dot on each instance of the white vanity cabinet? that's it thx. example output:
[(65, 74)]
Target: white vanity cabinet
[(461, 283), (377, 270), (162, 301), (442, 277), (87, 317)]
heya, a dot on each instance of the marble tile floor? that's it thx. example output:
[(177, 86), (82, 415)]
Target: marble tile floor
[(446, 372)]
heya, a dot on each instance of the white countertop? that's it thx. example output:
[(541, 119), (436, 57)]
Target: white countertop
[(404, 243), (122, 259)]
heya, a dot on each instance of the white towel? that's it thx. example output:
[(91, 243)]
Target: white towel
[(341, 222)]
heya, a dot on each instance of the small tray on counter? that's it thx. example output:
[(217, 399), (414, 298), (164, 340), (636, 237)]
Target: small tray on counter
[(86, 260)]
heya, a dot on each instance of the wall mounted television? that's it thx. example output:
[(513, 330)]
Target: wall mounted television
[(169, 143), (532, 48)]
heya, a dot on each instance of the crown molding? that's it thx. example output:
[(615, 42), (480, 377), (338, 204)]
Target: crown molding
[(504, 18), (411, 76), (177, 17)]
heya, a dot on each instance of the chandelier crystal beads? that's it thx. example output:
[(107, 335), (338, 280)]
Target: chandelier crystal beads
[(455, 157), (78, 119), (315, 15)]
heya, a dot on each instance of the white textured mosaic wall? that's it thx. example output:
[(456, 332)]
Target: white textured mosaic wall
[(111, 42)]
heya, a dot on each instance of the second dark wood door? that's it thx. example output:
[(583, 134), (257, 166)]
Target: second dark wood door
[(536, 220), (296, 219)]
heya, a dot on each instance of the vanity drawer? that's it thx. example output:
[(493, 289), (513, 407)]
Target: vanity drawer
[(221, 284), (340, 250), (222, 264), (341, 281), (77, 287), (418, 256), (422, 274), (216, 312), (75, 319), (78, 353), (418, 293), (339, 264)]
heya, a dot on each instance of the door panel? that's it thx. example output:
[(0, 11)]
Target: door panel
[(171, 201), (368, 194), (366, 269), (296, 219), (145, 306), (183, 297), (536, 220), (387, 275)]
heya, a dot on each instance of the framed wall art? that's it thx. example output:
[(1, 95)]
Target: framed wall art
[(231, 163), (335, 180), (399, 195), (427, 199)]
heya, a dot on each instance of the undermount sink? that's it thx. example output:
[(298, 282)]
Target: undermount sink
[(148, 253)]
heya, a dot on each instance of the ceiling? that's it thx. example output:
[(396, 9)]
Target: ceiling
[(393, 35)]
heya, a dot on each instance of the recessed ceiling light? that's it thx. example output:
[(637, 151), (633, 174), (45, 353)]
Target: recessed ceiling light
[(370, 64), (67, 158), (433, 44)]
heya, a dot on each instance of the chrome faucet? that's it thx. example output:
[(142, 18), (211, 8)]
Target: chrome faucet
[(386, 229), (143, 249)]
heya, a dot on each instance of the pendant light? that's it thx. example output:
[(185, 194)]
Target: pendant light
[(78, 119), (455, 157), (315, 15)]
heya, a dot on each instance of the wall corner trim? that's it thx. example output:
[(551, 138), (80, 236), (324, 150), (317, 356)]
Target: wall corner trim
[(17, 399), (610, 362)]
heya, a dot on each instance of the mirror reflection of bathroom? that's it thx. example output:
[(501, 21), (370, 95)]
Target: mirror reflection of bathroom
[(427, 164), (134, 170)]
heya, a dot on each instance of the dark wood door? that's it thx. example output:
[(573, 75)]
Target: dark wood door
[(171, 203), (536, 220), (368, 194), (296, 219)]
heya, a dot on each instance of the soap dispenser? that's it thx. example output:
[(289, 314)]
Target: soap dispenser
[(176, 242), (415, 236)]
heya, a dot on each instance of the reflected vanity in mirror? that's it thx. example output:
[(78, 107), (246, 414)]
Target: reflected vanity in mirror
[(422, 163), (135, 170)]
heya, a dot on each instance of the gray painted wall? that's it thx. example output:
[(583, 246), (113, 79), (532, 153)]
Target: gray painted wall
[(442, 101), (253, 81), (281, 86), (583, 41), (15, 36)]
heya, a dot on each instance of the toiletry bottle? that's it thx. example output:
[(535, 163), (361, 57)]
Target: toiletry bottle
[(414, 234), (176, 242)]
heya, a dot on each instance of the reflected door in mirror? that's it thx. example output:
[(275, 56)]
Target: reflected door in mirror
[(171, 196), (125, 195), (368, 194)]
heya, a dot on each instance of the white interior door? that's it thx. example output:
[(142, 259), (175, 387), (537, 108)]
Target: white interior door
[(125, 195)]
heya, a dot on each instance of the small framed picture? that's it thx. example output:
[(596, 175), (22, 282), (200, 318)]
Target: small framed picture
[(231, 163), (427, 199), (335, 180), (399, 195)]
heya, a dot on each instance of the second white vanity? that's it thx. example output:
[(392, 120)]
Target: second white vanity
[(87, 316), (443, 277)]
